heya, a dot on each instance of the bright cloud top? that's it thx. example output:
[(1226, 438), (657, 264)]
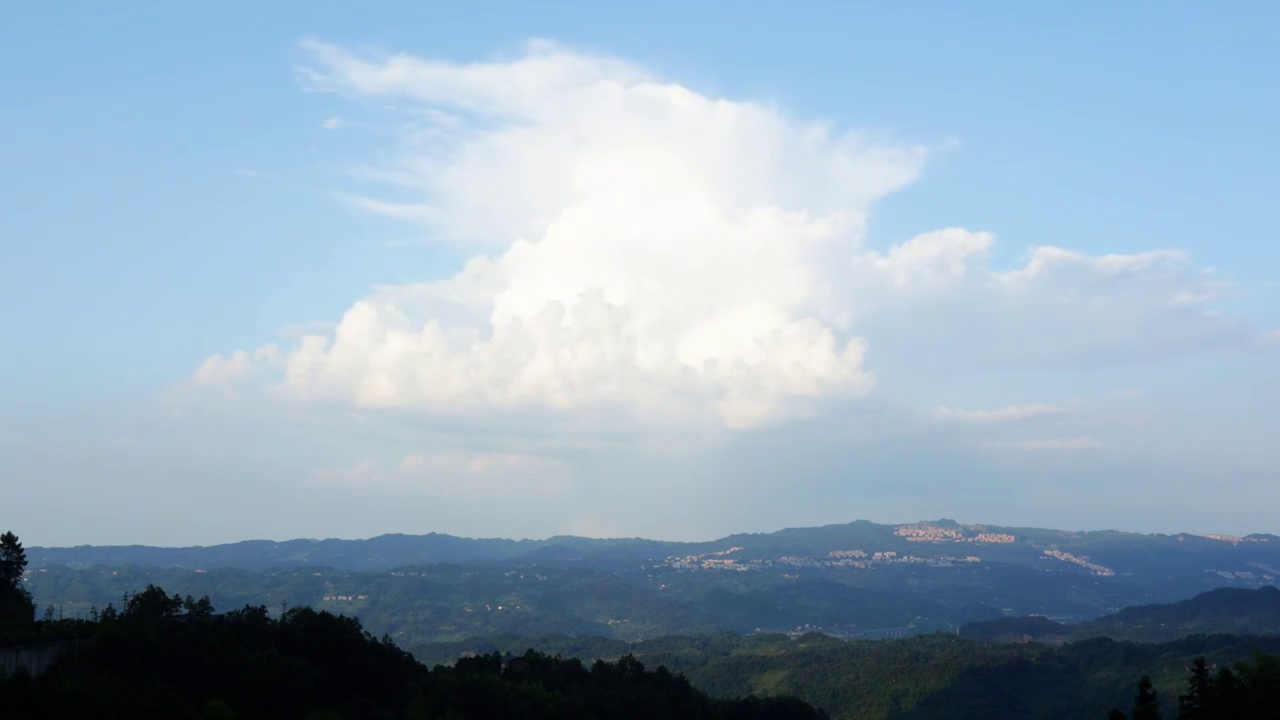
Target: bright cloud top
[(645, 248), (665, 252)]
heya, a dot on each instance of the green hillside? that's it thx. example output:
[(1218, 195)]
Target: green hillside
[(1226, 610), (167, 657)]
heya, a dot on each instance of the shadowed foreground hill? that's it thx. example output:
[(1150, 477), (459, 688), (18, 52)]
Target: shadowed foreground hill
[(927, 677), (170, 657), (166, 657), (1233, 611)]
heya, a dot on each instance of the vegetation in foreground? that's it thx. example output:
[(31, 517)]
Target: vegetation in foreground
[(164, 656), (922, 677), (1248, 691), (17, 611)]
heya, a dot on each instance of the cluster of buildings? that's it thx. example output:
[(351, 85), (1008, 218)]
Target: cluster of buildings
[(835, 558), (1245, 575), (1233, 539), (851, 632), (713, 561), (1096, 569), (920, 532), (847, 554), (935, 534), (344, 598), (860, 559), (491, 608), (1222, 538), (928, 533)]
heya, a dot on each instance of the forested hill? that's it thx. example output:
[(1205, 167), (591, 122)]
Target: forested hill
[(928, 677), (163, 656), (1226, 610), (385, 551), (858, 579)]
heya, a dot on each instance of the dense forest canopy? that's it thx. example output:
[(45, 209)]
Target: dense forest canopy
[(1245, 691), (167, 656), (923, 677)]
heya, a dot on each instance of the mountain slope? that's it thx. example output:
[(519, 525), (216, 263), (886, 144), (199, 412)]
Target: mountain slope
[(1234, 611), (853, 580)]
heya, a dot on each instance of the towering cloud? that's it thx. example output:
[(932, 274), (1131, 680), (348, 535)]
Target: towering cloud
[(643, 249)]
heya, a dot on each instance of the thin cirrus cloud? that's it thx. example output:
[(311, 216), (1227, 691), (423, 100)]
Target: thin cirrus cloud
[(641, 248), (1011, 413), (1046, 444), (393, 210), (459, 474)]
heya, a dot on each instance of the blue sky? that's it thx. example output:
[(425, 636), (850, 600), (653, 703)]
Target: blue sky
[(170, 195)]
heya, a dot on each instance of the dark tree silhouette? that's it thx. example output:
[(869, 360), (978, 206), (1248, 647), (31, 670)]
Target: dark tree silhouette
[(165, 656), (13, 559), (1199, 700), (16, 607), (1146, 705), (1245, 693), (151, 604)]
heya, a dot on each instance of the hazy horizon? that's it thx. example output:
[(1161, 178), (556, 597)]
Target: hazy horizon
[(1200, 533), (307, 271)]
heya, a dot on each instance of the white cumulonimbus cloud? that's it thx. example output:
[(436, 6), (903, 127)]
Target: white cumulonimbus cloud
[(640, 247)]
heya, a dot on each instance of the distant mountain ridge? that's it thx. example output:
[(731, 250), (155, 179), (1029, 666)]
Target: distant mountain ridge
[(398, 550), (380, 552), (855, 580)]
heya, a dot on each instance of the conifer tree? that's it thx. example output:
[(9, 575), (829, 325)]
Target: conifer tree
[(1198, 702), (13, 560), (1146, 705), (16, 606)]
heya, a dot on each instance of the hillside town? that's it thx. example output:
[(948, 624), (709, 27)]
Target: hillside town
[(854, 558), (922, 532), (1096, 569)]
